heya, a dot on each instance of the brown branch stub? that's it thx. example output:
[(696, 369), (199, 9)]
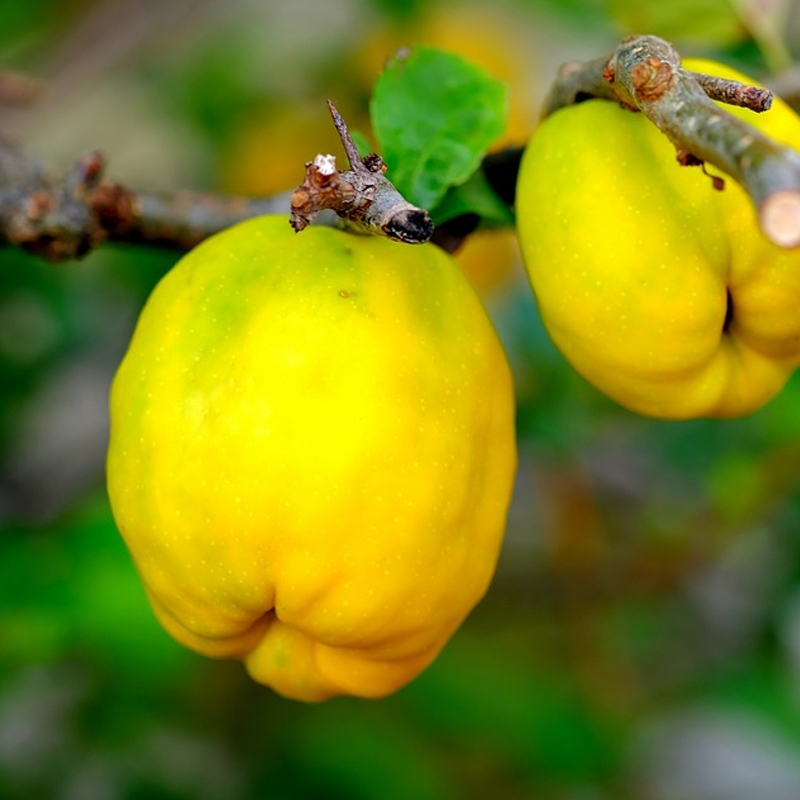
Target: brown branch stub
[(362, 196), (734, 93), (644, 74)]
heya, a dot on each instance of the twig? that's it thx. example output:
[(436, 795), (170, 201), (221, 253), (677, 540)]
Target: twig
[(362, 195), (734, 93), (644, 74), (65, 218)]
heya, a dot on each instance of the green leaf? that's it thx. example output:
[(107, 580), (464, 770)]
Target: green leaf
[(435, 115), (475, 196)]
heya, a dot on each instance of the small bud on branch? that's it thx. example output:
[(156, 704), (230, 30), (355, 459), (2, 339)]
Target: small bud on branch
[(644, 74)]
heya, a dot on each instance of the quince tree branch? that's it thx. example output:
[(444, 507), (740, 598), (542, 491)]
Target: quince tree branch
[(64, 218), (644, 74)]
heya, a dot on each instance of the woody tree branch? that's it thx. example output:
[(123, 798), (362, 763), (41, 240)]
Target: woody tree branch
[(64, 218), (644, 74)]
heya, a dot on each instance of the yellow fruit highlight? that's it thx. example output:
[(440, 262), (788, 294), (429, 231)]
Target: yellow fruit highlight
[(312, 454), (661, 291)]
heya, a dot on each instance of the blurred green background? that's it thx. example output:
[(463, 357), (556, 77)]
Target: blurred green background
[(641, 640)]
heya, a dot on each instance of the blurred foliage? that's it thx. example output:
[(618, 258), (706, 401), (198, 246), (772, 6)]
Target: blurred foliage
[(641, 640)]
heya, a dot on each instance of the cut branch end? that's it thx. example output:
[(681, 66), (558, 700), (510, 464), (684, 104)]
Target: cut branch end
[(780, 218)]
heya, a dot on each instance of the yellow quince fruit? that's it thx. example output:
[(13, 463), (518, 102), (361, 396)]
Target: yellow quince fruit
[(660, 290), (312, 453)]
